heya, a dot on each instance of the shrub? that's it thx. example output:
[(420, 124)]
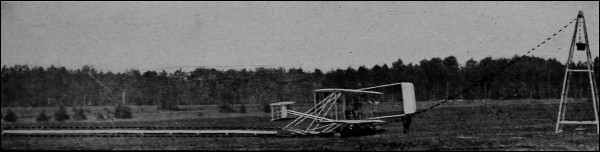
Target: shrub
[(10, 116), (167, 105), (42, 117), (266, 107), (243, 108), (61, 114), (123, 112), (100, 117), (225, 108), (79, 114)]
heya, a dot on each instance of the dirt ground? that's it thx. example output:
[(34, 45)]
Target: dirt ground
[(461, 125)]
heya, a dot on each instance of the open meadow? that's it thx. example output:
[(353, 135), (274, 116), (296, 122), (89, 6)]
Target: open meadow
[(459, 125)]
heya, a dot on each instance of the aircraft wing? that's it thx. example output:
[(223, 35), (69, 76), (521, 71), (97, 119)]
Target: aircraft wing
[(352, 121), (392, 116)]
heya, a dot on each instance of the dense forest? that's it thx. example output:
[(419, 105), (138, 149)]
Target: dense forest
[(434, 79)]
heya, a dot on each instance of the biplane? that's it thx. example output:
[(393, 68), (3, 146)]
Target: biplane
[(344, 111)]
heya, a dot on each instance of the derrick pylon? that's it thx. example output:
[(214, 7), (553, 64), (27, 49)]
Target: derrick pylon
[(579, 44)]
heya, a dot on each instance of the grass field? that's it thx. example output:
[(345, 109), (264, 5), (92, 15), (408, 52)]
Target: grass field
[(460, 125)]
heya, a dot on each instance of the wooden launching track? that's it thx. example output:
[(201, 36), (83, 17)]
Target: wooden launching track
[(142, 133)]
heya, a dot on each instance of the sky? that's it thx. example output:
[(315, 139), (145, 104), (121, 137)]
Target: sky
[(118, 36)]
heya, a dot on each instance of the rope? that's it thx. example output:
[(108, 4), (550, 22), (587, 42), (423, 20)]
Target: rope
[(492, 75)]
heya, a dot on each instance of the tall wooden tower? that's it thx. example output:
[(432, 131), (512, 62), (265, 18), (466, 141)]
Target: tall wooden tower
[(579, 45)]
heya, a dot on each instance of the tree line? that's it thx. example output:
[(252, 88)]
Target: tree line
[(434, 79)]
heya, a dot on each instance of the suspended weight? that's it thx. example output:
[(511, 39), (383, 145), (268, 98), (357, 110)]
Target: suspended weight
[(581, 46)]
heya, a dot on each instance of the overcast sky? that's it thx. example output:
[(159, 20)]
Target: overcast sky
[(117, 36)]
